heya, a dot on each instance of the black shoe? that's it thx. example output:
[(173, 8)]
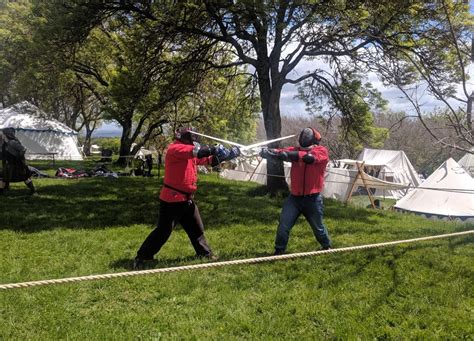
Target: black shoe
[(326, 248), (140, 264), (278, 252)]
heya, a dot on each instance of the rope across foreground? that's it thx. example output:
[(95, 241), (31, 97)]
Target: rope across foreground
[(225, 263)]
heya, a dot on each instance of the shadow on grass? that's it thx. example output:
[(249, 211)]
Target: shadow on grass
[(166, 261), (389, 255), (160, 262), (95, 203)]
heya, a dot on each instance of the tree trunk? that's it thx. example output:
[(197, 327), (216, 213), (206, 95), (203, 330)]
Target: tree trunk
[(270, 102), (125, 143), (86, 148)]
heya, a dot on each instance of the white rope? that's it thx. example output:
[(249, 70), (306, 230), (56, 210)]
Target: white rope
[(224, 263)]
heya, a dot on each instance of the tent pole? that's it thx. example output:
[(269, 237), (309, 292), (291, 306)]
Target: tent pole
[(251, 176), (365, 184), (353, 185)]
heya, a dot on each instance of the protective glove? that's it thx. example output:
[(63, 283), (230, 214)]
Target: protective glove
[(234, 152), (215, 162), (220, 152), (263, 153), (268, 152), (309, 158), (202, 151)]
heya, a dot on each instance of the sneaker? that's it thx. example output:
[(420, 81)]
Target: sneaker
[(326, 248)]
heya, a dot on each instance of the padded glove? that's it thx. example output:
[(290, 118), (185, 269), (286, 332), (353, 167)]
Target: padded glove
[(214, 161), (220, 152), (234, 152), (202, 151), (309, 158), (268, 152)]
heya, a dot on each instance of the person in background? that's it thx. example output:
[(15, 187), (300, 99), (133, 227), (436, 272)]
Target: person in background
[(308, 164), (14, 164), (177, 204), (149, 164)]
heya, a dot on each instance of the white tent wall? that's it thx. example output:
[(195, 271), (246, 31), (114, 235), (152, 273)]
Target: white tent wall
[(32, 147), (338, 183), (394, 167), (42, 137), (447, 193), (64, 146), (252, 170)]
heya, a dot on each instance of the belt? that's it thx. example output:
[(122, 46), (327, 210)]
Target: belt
[(307, 196), (188, 195)]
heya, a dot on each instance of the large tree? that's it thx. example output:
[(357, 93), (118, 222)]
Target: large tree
[(274, 37), (141, 71), (30, 72)]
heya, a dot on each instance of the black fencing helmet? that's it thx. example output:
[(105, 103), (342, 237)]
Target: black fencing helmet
[(184, 135), (308, 137), (9, 133)]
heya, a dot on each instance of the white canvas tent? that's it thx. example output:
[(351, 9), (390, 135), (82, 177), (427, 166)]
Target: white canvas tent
[(447, 193), (467, 162), (392, 166), (254, 170), (340, 183), (43, 138)]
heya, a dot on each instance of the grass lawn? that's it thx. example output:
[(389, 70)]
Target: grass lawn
[(95, 225)]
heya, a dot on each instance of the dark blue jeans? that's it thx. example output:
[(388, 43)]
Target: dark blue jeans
[(311, 206)]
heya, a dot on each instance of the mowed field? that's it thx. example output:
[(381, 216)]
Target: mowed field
[(95, 225)]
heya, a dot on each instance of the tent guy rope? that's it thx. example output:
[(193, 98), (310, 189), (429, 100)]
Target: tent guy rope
[(225, 263)]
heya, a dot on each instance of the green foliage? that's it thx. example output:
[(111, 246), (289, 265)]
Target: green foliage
[(224, 106), (354, 102), (112, 143), (142, 72), (94, 226), (15, 40)]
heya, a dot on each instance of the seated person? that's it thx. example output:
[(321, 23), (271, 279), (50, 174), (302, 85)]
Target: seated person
[(14, 164)]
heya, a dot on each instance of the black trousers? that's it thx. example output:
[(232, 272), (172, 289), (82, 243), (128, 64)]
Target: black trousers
[(187, 214)]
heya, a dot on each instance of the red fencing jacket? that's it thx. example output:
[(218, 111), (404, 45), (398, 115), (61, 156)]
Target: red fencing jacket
[(181, 172), (308, 178)]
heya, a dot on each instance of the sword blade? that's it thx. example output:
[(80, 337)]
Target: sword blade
[(255, 145), (218, 139)]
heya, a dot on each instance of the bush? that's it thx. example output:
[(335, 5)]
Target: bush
[(112, 143)]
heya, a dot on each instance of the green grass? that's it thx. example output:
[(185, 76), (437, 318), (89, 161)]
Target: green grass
[(95, 225)]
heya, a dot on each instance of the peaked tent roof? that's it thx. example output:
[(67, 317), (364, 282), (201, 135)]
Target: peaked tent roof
[(26, 116), (448, 192), (396, 160), (41, 137), (467, 162)]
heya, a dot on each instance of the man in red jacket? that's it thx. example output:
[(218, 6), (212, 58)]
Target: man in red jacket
[(308, 164), (176, 196)]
